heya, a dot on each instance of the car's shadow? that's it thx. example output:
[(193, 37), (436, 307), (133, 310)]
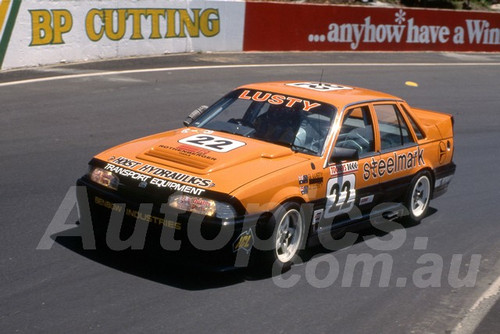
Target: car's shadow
[(155, 268), (367, 232), (163, 271)]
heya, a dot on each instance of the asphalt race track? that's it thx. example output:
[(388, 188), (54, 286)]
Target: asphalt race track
[(50, 128)]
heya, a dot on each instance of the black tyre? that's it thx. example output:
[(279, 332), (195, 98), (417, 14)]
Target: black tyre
[(285, 235), (418, 197)]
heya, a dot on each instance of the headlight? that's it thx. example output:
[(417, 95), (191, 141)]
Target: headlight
[(202, 206), (104, 178)]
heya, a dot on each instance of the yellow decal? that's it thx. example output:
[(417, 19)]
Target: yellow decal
[(4, 7), (162, 23), (137, 215), (48, 26), (244, 241)]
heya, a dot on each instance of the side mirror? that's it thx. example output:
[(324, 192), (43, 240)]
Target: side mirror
[(344, 154), (194, 115)]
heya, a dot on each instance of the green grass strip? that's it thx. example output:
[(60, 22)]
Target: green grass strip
[(9, 27)]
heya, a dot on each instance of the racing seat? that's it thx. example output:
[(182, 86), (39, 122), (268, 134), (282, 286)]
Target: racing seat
[(360, 139), (278, 124)]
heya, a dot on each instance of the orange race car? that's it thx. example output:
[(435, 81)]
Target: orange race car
[(268, 170)]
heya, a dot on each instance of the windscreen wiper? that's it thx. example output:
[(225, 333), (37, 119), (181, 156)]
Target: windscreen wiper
[(296, 148)]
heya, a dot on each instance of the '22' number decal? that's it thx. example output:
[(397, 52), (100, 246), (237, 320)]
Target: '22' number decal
[(341, 194), (209, 142), (213, 143)]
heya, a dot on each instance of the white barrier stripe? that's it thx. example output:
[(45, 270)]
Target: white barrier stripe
[(189, 68)]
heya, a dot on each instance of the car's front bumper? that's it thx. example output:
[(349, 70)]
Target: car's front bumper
[(122, 222)]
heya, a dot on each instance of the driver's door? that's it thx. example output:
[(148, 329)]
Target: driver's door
[(350, 183)]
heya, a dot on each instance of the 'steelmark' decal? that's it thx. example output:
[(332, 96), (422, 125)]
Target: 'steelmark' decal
[(394, 164)]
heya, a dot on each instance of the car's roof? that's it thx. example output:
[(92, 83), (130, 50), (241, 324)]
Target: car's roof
[(335, 94)]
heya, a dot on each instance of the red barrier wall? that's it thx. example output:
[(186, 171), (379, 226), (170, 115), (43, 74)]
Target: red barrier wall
[(309, 27)]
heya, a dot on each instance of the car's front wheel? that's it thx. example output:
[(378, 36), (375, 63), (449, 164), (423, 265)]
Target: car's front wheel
[(289, 235), (286, 235)]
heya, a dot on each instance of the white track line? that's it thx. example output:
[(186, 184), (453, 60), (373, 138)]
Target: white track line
[(191, 68), (479, 310)]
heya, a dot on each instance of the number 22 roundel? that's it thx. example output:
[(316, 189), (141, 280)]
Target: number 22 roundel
[(340, 195), (212, 143)]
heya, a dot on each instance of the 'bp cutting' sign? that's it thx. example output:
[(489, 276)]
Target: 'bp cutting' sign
[(45, 31)]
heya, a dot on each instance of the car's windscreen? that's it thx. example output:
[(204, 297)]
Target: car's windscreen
[(298, 123)]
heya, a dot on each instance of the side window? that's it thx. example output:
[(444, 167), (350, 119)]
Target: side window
[(356, 131), (393, 129)]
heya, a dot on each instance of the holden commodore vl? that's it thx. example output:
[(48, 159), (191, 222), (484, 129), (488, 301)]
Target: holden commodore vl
[(267, 170)]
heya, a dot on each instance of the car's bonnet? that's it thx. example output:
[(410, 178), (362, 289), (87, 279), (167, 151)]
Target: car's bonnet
[(188, 152)]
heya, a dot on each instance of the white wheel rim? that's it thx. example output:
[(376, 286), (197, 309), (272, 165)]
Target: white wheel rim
[(420, 196), (288, 235)]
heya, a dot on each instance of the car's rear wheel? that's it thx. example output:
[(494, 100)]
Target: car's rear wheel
[(285, 241), (418, 197)]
